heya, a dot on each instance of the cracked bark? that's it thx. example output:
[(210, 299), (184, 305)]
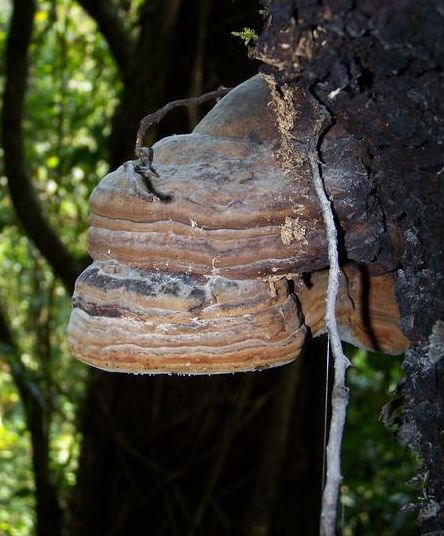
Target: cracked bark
[(377, 66), (381, 77)]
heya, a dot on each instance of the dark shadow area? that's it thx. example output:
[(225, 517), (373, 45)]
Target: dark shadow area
[(200, 455), (365, 301)]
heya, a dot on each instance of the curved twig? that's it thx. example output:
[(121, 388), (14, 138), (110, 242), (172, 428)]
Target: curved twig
[(153, 119)]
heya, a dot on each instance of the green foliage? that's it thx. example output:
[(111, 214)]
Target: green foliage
[(73, 89), (38, 309), (376, 468), (248, 35), (16, 484)]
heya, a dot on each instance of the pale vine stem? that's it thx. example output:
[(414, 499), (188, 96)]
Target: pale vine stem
[(339, 400)]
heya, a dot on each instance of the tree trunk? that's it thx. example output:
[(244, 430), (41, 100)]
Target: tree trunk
[(184, 456), (374, 69)]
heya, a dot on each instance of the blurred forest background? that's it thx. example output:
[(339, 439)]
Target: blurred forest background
[(84, 452)]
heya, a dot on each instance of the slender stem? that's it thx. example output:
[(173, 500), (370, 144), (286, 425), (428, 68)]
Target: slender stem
[(340, 392), (48, 509)]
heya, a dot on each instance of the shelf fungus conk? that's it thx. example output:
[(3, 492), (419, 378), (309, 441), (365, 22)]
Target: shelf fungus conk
[(208, 282)]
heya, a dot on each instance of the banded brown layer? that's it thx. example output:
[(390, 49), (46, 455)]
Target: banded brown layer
[(138, 321), (366, 309), (230, 206)]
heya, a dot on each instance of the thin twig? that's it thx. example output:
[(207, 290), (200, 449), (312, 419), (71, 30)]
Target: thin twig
[(339, 399), (155, 118)]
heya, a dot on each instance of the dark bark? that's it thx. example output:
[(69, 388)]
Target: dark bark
[(149, 443), (48, 510), (375, 68), (197, 76), (23, 196)]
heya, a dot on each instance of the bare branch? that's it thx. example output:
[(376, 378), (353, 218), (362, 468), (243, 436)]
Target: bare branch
[(22, 193), (111, 26), (340, 392), (155, 118)]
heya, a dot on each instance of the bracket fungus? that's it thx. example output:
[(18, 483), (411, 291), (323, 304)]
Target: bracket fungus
[(210, 281)]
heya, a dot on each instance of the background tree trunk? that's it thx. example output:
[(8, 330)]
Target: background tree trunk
[(152, 445)]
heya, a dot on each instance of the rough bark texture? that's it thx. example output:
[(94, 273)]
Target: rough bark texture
[(375, 69)]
